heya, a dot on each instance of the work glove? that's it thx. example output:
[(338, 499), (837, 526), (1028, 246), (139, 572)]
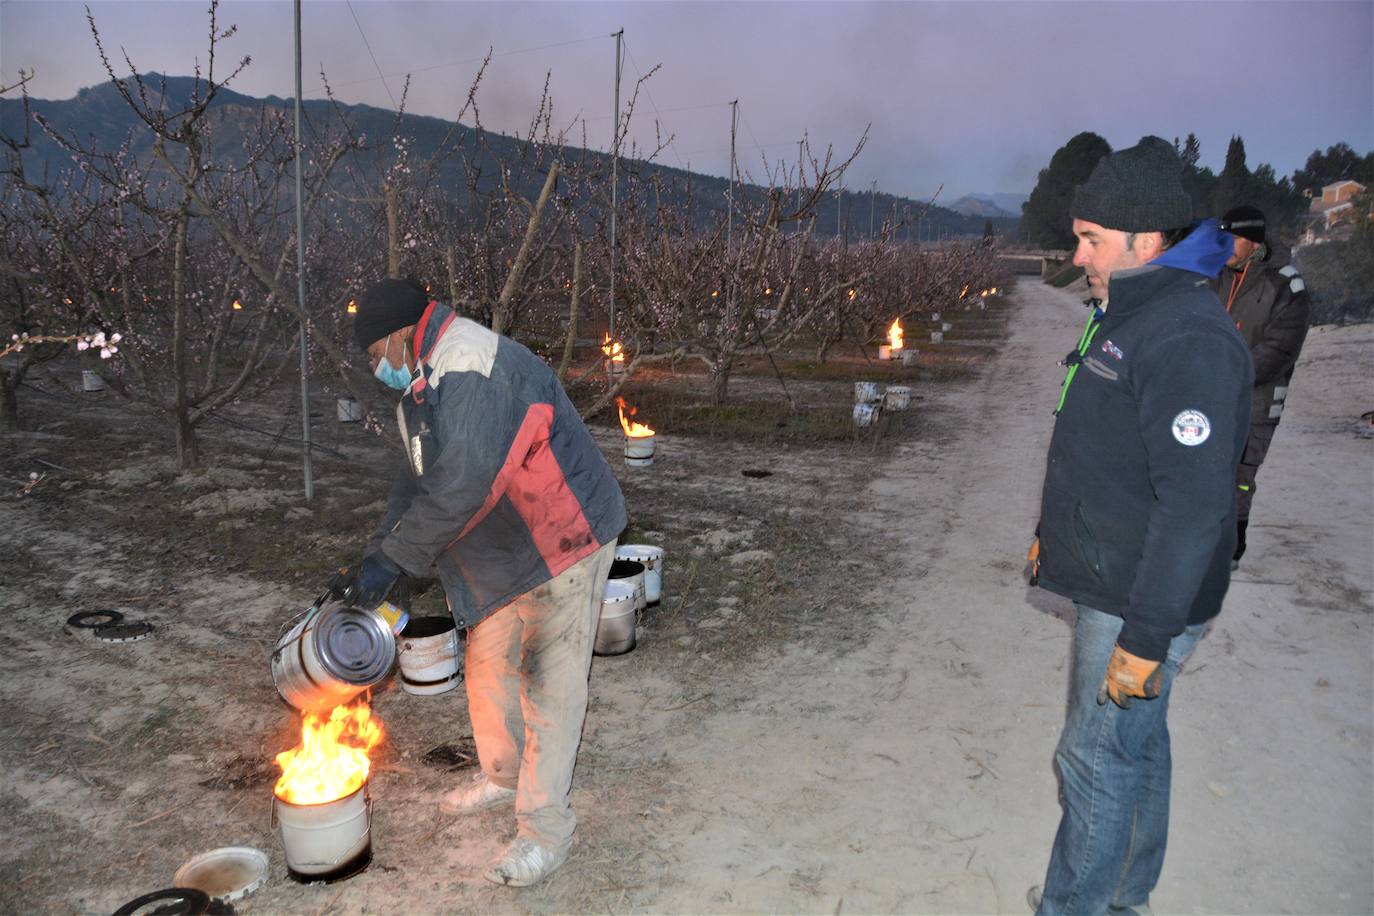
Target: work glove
[(1032, 569), (373, 580), (1129, 676)]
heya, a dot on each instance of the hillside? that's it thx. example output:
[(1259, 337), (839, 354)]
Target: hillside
[(98, 118)]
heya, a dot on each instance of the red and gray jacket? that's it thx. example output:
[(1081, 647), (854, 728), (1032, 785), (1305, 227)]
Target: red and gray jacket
[(503, 487)]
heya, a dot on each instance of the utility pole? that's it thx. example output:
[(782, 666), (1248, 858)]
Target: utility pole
[(615, 170), (801, 177), (730, 208), (839, 190), (300, 278), (872, 206)]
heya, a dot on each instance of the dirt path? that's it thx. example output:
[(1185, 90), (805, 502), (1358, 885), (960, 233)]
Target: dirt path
[(914, 774)]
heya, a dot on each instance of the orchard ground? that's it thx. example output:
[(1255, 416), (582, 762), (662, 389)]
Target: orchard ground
[(846, 702)]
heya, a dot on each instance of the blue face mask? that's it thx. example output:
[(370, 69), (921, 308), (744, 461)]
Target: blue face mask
[(388, 374)]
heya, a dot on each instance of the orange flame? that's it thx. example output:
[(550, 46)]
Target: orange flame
[(964, 291), (352, 306), (894, 334), (633, 429), (331, 761), (613, 349)]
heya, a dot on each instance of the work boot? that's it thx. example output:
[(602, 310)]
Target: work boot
[(524, 862), (476, 793), (1241, 525)]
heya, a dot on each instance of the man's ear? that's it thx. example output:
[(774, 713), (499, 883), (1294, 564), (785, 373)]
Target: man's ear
[(1148, 245)]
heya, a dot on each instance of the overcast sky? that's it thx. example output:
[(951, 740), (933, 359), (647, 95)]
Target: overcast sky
[(974, 95)]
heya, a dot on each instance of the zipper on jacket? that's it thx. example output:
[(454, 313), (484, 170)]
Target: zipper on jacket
[(1075, 358)]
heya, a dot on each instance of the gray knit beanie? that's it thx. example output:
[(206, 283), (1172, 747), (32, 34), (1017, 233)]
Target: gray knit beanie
[(1136, 190)]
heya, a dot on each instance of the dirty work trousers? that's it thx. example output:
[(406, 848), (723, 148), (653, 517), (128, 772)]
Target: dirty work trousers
[(1114, 772), (526, 674)]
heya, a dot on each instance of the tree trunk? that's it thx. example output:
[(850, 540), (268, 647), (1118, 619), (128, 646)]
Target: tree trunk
[(720, 380), (188, 453), (188, 447), (9, 403), (571, 337)]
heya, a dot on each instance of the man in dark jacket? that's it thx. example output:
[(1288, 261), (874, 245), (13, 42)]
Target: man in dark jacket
[(1268, 303), (506, 499), (1137, 520)]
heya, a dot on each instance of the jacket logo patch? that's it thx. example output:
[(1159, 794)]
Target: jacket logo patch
[(1192, 427), (1113, 349), (417, 456)]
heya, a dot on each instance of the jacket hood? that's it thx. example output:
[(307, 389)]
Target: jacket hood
[(1204, 251)]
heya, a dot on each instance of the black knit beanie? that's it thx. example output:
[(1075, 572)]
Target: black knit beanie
[(1136, 190), (1246, 222), (388, 306)]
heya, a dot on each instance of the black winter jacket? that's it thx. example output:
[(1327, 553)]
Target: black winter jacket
[(1138, 513)]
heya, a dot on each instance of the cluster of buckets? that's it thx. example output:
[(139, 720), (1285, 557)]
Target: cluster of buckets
[(870, 400)]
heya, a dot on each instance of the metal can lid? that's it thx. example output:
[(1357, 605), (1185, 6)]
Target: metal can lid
[(354, 645), (124, 632), (172, 901), (227, 873), (89, 620)]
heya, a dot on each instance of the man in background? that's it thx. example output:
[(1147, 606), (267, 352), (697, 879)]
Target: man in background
[(1268, 303)]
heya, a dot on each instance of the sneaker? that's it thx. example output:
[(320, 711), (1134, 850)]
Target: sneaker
[(1034, 896), (476, 793), (524, 862)]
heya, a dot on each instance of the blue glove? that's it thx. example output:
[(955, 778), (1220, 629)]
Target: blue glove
[(374, 580)]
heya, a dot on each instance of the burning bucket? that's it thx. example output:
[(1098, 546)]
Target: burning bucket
[(639, 451), (631, 572), (349, 410), (897, 397), (865, 393), (884, 351), (865, 414), (428, 656), (615, 630), (325, 842), (652, 558), (330, 656)]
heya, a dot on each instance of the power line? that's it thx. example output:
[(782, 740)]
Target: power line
[(474, 60), (366, 44), (671, 145)]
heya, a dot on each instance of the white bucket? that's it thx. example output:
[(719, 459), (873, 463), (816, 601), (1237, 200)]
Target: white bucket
[(349, 410), (934, 316), (428, 654), (946, 326), (639, 451), (652, 558), (615, 630), (865, 414), (884, 351), (633, 573), (328, 841), (937, 336), (897, 397), (91, 381), (330, 656), (910, 357), (865, 392)]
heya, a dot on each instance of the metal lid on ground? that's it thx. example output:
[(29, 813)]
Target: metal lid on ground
[(354, 645), (124, 632), (227, 873)]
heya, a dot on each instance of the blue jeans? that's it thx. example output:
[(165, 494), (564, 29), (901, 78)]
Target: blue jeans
[(1113, 768)]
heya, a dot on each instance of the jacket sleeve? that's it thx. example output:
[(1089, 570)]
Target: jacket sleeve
[(487, 433), (1277, 347), (1193, 397), (403, 490)]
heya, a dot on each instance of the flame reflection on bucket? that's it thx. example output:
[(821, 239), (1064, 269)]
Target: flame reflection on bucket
[(331, 760)]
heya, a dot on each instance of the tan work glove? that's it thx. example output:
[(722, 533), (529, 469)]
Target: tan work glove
[(1032, 569), (1129, 676)]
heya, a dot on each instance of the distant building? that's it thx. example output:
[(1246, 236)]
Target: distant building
[(1332, 214)]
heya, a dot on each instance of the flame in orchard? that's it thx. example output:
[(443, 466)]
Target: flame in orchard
[(613, 349), (633, 429), (964, 291), (331, 761), (894, 334), (352, 306)]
